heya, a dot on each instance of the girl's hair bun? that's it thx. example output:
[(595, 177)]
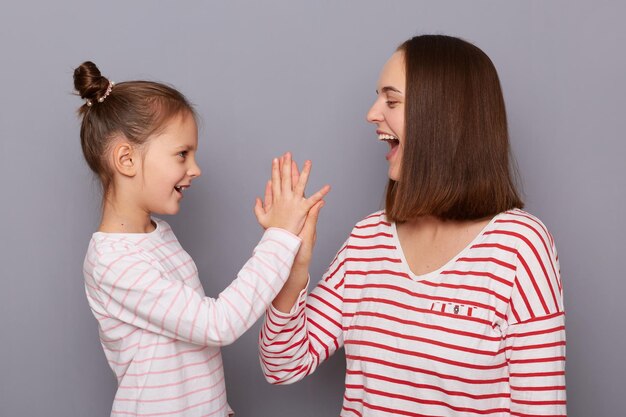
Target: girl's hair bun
[(89, 82)]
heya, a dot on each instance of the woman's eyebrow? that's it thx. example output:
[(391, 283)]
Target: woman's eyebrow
[(389, 88)]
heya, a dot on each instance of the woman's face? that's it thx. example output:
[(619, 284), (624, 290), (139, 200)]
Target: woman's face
[(387, 112)]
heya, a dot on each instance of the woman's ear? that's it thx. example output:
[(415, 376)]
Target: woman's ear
[(125, 159)]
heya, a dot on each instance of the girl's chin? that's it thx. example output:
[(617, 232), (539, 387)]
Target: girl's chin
[(167, 211)]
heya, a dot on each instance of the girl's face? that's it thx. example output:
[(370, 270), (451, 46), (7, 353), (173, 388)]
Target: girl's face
[(387, 112), (169, 166)]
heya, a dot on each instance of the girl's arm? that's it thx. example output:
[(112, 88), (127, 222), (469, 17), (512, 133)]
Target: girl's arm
[(127, 285)]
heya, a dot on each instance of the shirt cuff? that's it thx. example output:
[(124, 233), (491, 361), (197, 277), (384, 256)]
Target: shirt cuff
[(284, 235)]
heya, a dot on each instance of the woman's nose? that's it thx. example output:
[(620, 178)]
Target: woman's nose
[(374, 114)]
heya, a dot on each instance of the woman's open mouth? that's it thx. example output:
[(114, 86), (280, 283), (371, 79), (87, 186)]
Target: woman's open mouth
[(393, 142)]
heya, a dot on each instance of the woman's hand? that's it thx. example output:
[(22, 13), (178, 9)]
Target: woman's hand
[(299, 275), (285, 205), (308, 234)]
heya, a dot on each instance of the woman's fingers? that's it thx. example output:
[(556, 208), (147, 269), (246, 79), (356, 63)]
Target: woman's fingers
[(308, 234), (311, 218), (315, 198)]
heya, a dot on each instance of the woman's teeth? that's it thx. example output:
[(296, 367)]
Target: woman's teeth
[(384, 136)]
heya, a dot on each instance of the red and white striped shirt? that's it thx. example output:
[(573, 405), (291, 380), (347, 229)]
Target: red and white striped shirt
[(483, 335), (160, 334)]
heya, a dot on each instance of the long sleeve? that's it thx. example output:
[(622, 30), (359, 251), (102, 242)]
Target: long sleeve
[(129, 286), (535, 337), (293, 345)]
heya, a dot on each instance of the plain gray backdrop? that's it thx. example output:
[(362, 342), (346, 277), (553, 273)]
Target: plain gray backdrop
[(272, 76)]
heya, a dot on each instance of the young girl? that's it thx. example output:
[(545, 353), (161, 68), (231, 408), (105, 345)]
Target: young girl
[(448, 302), (159, 332)]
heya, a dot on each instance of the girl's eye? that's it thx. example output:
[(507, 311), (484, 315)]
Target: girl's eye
[(182, 154)]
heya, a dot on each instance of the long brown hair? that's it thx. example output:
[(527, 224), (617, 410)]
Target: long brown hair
[(135, 109), (456, 158)]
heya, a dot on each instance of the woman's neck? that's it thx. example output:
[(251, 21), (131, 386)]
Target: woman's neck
[(435, 223), (428, 243), (431, 228)]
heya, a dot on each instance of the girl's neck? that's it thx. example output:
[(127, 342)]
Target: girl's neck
[(119, 218)]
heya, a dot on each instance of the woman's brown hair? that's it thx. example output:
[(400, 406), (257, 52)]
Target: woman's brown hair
[(456, 157), (134, 109)]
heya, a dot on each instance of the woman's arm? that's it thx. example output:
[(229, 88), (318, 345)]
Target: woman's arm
[(535, 337), (293, 343), (299, 274), (301, 332)]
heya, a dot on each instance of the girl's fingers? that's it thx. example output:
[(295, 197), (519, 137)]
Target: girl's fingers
[(268, 196), (295, 174), (286, 174), (258, 210), (304, 178), (275, 178)]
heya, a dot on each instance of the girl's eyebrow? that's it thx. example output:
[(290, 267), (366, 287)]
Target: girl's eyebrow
[(389, 88), (185, 147)]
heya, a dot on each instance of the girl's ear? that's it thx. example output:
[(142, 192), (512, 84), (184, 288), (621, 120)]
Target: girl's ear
[(125, 159)]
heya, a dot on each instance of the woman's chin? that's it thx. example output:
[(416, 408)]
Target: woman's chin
[(393, 175)]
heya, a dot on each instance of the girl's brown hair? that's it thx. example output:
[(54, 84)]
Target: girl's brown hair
[(134, 109), (456, 157)]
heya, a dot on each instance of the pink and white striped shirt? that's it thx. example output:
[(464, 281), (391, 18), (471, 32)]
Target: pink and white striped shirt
[(160, 333), (483, 335)]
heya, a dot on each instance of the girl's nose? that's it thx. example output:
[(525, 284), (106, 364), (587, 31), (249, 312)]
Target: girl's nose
[(194, 170)]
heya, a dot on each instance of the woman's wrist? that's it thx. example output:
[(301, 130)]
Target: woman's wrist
[(300, 266), (298, 277)]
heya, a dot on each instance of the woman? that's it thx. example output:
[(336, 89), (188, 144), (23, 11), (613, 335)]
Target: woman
[(449, 301)]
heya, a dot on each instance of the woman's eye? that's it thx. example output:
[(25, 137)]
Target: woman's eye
[(391, 103)]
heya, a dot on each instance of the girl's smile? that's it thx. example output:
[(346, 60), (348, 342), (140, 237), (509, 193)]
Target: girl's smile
[(169, 166)]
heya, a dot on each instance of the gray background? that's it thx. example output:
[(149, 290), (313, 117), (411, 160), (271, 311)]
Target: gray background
[(272, 76)]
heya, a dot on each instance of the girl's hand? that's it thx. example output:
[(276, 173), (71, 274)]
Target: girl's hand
[(285, 205)]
